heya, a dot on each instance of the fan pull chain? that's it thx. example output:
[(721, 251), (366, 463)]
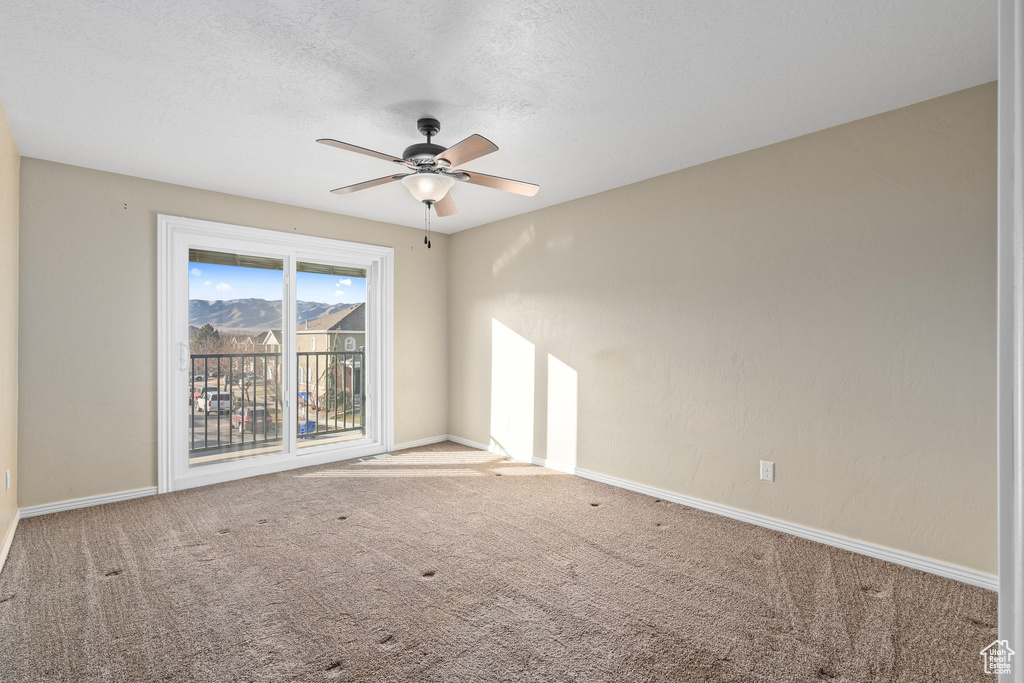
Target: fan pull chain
[(426, 224)]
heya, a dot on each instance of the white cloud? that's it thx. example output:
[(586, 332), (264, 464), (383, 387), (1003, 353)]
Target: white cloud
[(223, 287), (339, 293), (196, 272), (345, 283), (207, 283)]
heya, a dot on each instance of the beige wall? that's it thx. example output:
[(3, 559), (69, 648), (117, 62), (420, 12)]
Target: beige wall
[(827, 302), (88, 416), (9, 162)]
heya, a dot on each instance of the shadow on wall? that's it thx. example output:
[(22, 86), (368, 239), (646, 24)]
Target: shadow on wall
[(513, 383)]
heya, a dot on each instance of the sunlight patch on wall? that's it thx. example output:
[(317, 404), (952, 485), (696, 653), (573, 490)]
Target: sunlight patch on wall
[(512, 382), (524, 240), (561, 443)]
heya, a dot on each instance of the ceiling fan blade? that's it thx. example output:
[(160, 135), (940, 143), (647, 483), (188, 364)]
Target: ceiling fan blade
[(473, 147), (361, 150), (517, 186), (348, 189), (445, 207)]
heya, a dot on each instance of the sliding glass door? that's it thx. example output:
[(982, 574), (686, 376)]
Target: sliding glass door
[(330, 345), (234, 378), (275, 351)]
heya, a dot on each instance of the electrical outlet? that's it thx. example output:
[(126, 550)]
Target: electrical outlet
[(767, 470), (7, 480)]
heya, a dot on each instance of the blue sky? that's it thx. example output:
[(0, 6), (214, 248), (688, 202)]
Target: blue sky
[(330, 289), (213, 283)]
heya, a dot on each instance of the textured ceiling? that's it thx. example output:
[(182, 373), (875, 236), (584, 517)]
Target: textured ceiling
[(579, 96)]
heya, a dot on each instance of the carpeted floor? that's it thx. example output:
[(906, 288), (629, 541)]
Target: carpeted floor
[(446, 564)]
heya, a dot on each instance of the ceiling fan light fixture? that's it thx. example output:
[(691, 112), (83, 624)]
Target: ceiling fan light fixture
[(428, 187), (433, 169)]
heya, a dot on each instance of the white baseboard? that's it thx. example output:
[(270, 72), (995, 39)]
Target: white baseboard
[(419, 442), (567, 469), (925, 564), (471, 444), (88, 501), (8, 539), (881, 552), (494, 448)]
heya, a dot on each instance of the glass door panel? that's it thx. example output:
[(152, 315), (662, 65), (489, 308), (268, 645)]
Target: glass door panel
[(330, 344), (235, 392)]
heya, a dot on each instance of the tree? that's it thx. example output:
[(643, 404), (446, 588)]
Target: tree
[(205, 336), (204, 341)]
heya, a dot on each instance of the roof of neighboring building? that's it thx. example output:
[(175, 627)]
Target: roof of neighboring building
[(248, 339), (351, 319), (272, 337)]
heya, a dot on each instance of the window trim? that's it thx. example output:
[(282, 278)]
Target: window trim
[(174, 234)]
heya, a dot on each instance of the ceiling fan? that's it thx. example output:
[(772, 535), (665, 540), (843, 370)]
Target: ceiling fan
[(432, 169)]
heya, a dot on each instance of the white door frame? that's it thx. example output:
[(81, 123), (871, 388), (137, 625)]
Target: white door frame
[(175, 236), (1010, 337)]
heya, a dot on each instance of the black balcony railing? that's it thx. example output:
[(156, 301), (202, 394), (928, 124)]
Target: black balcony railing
[(237, 399), (246, 387), (331, 388)]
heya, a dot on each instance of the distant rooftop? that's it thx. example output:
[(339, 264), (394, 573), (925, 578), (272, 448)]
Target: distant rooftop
[(351, 319)]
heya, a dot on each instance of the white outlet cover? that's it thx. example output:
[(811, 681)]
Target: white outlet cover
[(7, 480), (767, 470)]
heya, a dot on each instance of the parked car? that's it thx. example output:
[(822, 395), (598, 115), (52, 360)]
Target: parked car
[(198, 377), (197, 396), (218, 401), (253, 419)]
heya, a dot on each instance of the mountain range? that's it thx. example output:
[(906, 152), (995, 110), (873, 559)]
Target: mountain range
[(251, 315)]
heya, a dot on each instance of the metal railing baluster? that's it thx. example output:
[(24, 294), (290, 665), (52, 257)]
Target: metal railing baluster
[(225, 377), (316, 406)]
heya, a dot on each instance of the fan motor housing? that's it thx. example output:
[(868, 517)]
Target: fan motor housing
[(422, 151), (429, 127)]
